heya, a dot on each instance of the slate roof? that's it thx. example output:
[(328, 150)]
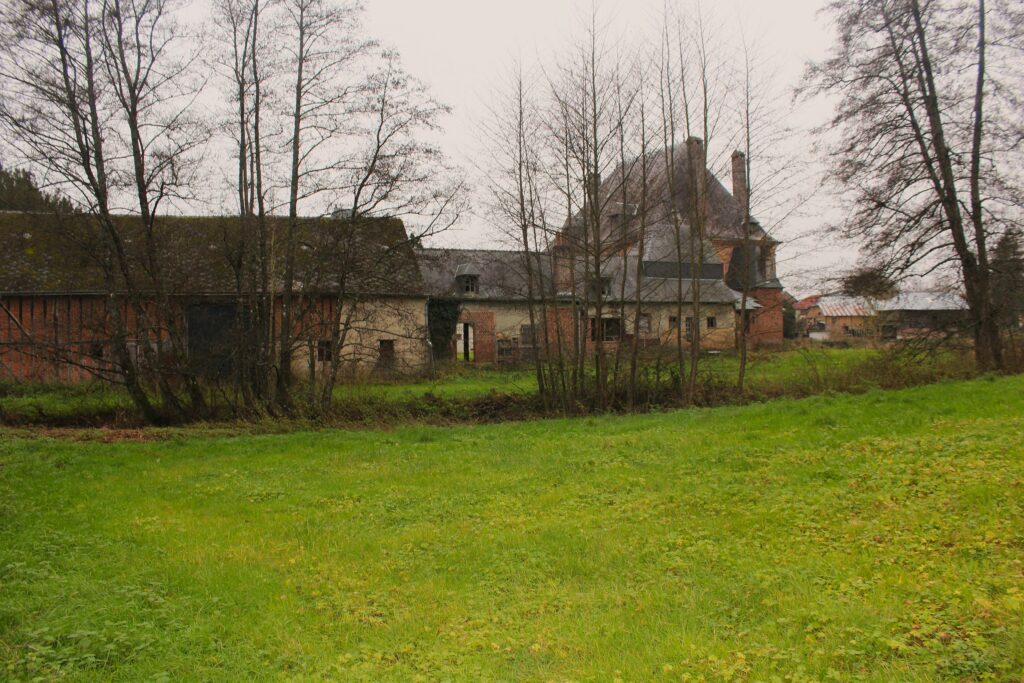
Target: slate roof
[(661, 289), (661, 269), (725, 215), (660, 245), (501, 273), (48, 254)]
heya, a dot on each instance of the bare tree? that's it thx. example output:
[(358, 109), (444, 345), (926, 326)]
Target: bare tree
[(394, 171), (323, 41), (926, 123), (241, 31), (770, 180), (515, 198), (97, 99)]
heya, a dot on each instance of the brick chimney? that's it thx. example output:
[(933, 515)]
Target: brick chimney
[(695, 153), (697, 157), (739, 179)]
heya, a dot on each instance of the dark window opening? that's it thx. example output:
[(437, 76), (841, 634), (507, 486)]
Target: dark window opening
[(386, 351), (96, 350), (602, 286), (712, 322), (323, 350), (689, 328), (684, 270), (611, 329), (468, 284)]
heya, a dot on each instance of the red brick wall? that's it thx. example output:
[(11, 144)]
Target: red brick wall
[(766, 322), (484, 337), (50, 338)]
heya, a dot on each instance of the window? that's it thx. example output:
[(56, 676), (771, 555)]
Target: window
[(469, 284), (526, 335), (505, 349), (689, 328), (712, 322), (766, 264), (684, 271), (96, 350), (611, 329), (643, 323), (323, 350), (386, 351), (602, 285)]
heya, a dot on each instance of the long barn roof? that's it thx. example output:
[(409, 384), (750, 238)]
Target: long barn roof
[(50, 254)]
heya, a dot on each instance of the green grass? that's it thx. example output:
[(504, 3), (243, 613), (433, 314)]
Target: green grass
[(462, 382), (876, 537), (48, 402), (794, 373)]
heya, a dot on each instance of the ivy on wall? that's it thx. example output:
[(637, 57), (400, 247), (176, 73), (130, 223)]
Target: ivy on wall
[(442, 318)]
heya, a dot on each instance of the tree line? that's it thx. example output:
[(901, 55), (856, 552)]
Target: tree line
[(103, 101), (102, 98), (923, 150)]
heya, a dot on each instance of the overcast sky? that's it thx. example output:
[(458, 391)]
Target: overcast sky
[(459, 48)]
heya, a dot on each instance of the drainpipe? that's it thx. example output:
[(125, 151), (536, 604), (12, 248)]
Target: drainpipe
[(429, 343)]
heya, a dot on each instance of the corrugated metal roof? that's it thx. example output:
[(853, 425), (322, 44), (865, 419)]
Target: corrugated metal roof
[(843, 307), (923, 301)]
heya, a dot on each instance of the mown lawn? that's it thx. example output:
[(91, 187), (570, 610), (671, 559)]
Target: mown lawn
[(876, 537)]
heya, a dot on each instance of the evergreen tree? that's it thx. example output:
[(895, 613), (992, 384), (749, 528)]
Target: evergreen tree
[(19, 192), (1008, 279)]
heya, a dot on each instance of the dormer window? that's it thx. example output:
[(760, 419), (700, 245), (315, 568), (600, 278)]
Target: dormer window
[(601, 285), (468, 284)]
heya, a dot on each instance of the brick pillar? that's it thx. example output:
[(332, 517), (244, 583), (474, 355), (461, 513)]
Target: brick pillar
[(484, 338)]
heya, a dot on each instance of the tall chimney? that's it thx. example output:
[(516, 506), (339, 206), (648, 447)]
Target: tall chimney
[(739, 179), (695, 153), (697, 158)]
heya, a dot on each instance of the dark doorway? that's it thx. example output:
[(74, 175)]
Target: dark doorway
[(467, 342), (212, 338), (386, 354)]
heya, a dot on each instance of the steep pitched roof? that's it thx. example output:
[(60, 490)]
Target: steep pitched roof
[(203, 255), (672, 187)]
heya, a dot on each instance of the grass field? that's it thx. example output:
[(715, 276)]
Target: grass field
[(793, 373), (876, 537)]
